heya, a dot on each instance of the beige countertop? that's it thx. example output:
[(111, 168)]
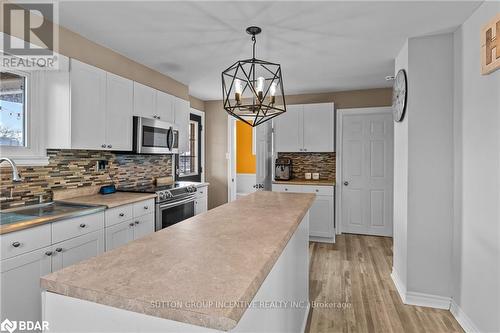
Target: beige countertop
[(299, 181), (222, 255), (110, 200)]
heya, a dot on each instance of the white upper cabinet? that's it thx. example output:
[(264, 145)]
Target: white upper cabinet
[(164, 107), (94, 110), (288, 129), (119, 105), (88, 105), (319, 122), (305, 128), (144, 101), (181, 109)]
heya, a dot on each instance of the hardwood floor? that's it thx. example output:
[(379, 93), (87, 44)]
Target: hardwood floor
[(351, 283)]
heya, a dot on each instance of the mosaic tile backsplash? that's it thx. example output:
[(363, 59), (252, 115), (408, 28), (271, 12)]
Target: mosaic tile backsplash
[(324, 163), (77, 168)]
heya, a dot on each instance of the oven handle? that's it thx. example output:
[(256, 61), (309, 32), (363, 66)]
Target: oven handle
[(177, 203)]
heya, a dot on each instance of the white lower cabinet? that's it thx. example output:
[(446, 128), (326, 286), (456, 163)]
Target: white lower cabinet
[(322, 212), (140, 222), (77, 249), (32, 253), (201, 202), (119, 234), (20, 284)]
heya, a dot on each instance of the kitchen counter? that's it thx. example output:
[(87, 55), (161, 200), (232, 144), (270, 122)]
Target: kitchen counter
[(110, 200), (299, 181), (223, 255), (26, 217)]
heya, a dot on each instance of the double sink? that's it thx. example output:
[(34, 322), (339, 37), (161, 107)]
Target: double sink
[(19, 218)]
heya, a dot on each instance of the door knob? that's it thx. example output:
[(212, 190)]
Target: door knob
[(346, 183)]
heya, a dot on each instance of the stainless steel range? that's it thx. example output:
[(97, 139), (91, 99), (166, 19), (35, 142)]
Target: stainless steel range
[(174, 203)]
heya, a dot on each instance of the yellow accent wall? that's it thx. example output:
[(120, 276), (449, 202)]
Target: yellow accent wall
[(245, 160)]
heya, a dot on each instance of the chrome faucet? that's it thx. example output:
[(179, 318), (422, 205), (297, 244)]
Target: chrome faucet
[(16, 177)]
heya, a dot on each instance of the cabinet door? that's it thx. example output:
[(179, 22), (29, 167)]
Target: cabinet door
[(144, 225), (182, 121), (288, 130), (321, 217), (119, 234), (164, 106), (200, 205), (88, 104), (119, 107), (20, 285), (318, 122), (144, 101), (77, 249)]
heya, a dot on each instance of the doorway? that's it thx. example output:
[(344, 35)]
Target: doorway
[(249, 160), (365, 160)]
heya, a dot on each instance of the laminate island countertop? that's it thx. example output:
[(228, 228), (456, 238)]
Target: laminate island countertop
[(223, 256)]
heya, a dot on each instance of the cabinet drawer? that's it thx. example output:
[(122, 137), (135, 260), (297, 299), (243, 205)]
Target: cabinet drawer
[(19, 242), (144, 207), (78, 226), (118, 214), (287, 188), (201, 192), (319, 190)]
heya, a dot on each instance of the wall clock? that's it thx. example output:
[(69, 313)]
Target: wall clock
[(399, 95)]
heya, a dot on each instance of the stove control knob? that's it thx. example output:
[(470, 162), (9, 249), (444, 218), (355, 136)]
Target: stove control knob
[(194, 188), (189, 189), (168, 194), (162, 195)]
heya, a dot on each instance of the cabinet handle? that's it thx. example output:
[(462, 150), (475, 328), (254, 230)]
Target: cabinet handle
[(286, 189), (110, 146), (146, 207), (158, 117), (103, 145), (48, 253), (59, 249), (16, 244), (121, 214), (83, 225), (137, 222), (131, 224), (317, 190)]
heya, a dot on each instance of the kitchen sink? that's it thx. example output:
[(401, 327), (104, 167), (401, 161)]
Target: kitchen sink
[(49, 211)]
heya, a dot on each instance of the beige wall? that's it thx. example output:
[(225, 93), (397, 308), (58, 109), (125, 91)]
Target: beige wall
[(216, 130), (76, 46)]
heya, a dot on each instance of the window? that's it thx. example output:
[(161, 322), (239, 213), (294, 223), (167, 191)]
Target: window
[(13, 109), (188, 161)]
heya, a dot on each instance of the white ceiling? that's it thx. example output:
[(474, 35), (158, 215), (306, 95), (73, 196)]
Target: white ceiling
[(322, 46)]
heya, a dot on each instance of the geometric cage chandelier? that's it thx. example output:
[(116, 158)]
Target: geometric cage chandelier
[(252, 89)]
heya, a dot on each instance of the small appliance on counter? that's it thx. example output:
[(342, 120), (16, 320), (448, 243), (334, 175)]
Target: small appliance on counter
[(283, 169), (108, 189)]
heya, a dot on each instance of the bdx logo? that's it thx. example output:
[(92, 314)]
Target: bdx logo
[(34, 22)]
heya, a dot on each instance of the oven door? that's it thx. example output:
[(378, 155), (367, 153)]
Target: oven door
[(170, 213), (151, 136)]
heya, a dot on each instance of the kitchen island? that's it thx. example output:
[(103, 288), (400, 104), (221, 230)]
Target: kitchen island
[(239, 267)]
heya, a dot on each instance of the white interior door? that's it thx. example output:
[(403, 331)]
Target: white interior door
[(366, 174), (263, 156)]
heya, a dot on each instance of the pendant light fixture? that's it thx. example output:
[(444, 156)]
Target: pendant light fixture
[(252, 89)]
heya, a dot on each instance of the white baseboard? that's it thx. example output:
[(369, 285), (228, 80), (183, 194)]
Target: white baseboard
[(462, 318), (400, 285), (419, 299)]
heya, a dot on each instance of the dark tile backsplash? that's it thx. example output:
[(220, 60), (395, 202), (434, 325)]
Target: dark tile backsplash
[(324, 163), (77, 168)]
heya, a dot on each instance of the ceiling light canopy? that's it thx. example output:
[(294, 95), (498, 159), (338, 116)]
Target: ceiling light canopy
[(252, 89)]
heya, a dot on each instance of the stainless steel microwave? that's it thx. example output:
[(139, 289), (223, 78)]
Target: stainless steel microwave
[(153, 136)]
